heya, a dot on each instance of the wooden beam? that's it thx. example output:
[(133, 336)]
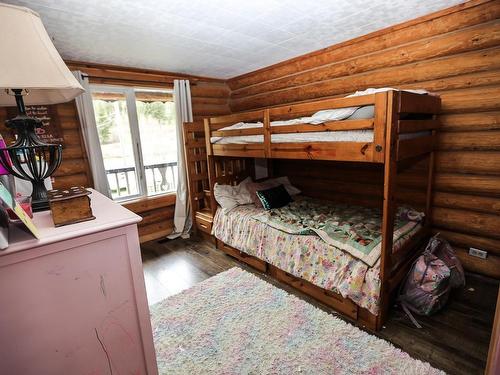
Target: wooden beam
[(413, 126), (107, 71), (352, 151), (150, 203), (465, 241), (301, 109), (238, 117), (238, 132), (409, 148), (446, 20), (388, 207), (246, 150), (380, 126), (489, 266), (430, 72), (434, 46), (267, 134)]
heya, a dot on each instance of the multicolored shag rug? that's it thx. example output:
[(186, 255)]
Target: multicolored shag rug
[(236, 323)]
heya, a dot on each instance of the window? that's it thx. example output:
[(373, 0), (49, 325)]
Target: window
[(137, 134)]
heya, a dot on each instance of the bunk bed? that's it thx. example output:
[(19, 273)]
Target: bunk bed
[(395, 131)]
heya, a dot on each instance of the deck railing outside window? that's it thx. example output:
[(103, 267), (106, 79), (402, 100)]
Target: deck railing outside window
[(138, 139), (160, 178)]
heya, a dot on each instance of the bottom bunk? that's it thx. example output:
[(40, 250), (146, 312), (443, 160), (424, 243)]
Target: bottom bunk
[(306, 261), (342, 305)]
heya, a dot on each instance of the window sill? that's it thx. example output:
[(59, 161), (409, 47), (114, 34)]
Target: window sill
[(143, 204)]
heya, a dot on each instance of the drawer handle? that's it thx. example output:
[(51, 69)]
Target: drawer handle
[(203, 226)]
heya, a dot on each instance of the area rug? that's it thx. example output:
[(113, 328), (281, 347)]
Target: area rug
[(236, 323)]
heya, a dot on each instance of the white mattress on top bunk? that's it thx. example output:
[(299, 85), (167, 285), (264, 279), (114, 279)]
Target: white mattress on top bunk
[(337, 136), (350, 113), (328, 115)]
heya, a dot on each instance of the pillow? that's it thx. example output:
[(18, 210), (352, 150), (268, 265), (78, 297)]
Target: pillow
[(368, 111), (229, 196), (274, 197), (253, 187), (292, 190)]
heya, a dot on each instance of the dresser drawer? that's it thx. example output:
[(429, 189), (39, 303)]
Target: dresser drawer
[(204, 224)]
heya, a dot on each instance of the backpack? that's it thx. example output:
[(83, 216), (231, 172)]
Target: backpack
[(430, 280)]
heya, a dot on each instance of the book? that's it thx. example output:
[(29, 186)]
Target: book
[(11, 203)]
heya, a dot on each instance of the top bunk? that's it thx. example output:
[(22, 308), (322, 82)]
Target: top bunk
[(364, 127)]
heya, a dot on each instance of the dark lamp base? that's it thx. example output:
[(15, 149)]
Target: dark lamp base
[(29, 158), (40, 206)]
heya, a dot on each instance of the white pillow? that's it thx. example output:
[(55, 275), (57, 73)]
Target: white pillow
[(230, 197), (292, 190), (332, 114)]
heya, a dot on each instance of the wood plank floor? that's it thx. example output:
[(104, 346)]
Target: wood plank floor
[(455, 340)]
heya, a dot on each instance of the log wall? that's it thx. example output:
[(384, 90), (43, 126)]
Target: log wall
[(74, 169), (455, 53), (209, 98)]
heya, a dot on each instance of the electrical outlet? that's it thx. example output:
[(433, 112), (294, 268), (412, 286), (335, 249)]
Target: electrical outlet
[(478, 253)]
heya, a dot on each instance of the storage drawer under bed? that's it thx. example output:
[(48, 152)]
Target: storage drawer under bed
[(204, 222)]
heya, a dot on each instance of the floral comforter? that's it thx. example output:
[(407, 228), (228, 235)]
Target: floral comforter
[(354, 229), (304, 256)]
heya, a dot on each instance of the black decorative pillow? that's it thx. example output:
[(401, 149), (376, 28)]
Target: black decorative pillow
[(274, 197)]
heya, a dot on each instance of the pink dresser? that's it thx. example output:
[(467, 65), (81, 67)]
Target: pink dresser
[(74, 302)]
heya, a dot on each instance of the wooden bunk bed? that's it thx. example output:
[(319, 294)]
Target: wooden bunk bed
[(396, 114)]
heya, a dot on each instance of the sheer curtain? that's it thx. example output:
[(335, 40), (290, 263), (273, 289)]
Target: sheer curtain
[(90, 136), (183, 113)]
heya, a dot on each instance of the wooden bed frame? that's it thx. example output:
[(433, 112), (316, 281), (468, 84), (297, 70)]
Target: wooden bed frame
[(198, 183), (395, 113)]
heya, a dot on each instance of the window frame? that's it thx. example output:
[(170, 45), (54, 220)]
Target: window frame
[(133, 120)]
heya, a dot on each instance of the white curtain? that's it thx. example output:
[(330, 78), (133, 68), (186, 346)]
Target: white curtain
[(184, 113), (90, 136)]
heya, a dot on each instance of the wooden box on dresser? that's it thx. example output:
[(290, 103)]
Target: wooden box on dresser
[(74, 302)]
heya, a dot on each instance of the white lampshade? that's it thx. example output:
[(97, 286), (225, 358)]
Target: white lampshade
[(30, 60)]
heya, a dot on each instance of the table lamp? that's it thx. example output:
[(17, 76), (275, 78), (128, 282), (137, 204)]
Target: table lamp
[(31, 73)]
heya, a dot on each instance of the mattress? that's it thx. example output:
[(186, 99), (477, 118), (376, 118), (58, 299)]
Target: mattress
[(365, 135), (304, 256), (331, 136), (337, 136), (351, 113), (327, 115)]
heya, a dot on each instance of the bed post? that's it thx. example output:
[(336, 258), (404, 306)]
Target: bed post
[(380, 125), (390, 171), (430, 180), (210, 166), (267, 134), (190, 164)]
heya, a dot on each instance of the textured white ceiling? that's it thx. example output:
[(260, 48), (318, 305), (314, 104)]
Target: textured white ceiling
[(216, 38)]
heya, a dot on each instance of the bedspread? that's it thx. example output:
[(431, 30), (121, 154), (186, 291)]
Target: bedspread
[(304, 256), (354, 229)]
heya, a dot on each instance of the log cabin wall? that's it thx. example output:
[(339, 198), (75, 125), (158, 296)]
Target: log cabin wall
[(455, 53), (209, 98), (352, 183)]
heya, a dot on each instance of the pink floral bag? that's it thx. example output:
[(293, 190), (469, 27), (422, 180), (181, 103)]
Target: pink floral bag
[(430, 280)]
